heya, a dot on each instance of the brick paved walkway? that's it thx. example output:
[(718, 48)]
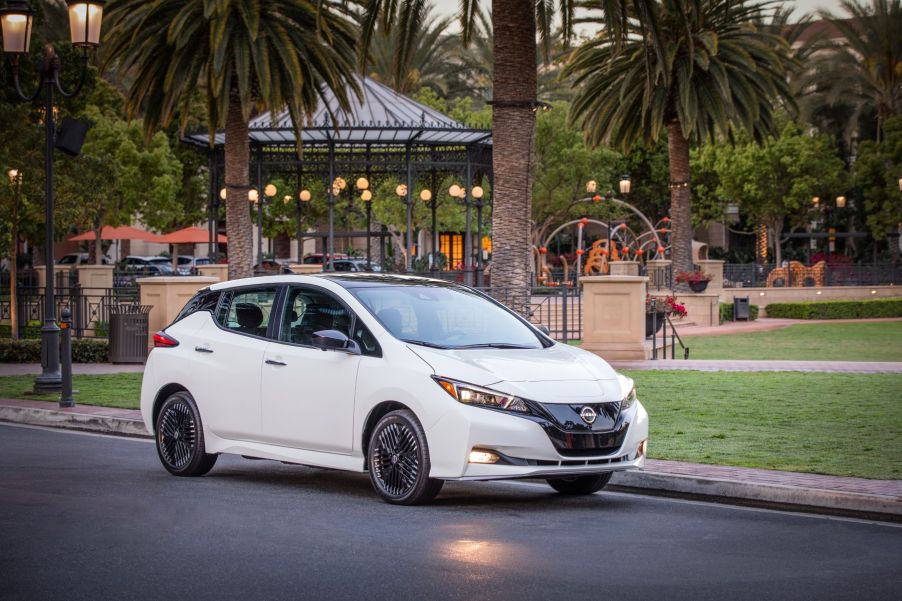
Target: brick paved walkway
[(885, 488), (24, 369)]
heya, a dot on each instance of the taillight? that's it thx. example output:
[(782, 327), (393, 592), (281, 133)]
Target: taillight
[(163, 340)]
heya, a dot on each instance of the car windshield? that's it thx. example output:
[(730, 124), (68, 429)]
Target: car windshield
[(445, 317)]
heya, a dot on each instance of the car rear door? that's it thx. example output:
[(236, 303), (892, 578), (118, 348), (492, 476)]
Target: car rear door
[(308, 393), (230, 354)]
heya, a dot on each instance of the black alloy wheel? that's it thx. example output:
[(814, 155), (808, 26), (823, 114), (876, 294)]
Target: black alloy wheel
[(580, 485), (398, 460), (180, 437)]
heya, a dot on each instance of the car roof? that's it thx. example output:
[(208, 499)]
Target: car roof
[(343, 279)]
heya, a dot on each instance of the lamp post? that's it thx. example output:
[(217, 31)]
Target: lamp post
[(15, 182), (363, 185), (478, 193), (401, 191), (304, 197), (426, 197), (16, 19)]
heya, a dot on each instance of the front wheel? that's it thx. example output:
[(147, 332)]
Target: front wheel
[(579, 485), (398, 459), (180, 437)]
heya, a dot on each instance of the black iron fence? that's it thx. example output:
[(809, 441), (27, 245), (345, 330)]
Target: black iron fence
[(753, 275), (558, 308)]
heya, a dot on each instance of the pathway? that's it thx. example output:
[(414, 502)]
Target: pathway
[(850, 367), (764, 324)]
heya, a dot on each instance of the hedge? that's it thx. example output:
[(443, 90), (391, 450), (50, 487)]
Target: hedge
[(84, 350), (841, 309), (726, 312)]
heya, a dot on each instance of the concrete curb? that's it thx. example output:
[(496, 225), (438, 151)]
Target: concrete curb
[(648, 482), (790, 497), (74, 421)]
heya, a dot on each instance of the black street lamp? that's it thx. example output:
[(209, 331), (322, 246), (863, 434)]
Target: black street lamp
[(402, 192), (304, 197), (16, 19), (363, 185)]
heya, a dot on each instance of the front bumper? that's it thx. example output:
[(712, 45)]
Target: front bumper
[(528, 442)]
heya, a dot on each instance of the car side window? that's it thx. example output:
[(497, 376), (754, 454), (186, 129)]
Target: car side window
[(247, 310), (308, 311), (366, 340), (205, 300)]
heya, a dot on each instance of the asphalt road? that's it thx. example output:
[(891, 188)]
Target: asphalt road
[(93, 517)]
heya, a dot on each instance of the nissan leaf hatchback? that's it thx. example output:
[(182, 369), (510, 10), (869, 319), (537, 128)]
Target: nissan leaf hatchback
[(413, 380)]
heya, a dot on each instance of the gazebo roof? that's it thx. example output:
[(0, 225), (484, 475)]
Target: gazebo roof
[(383, 117)]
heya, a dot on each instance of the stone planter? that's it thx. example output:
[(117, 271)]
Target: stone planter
[(653, 326), (698, 286)]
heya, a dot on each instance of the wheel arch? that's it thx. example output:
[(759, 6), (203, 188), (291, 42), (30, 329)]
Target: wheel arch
[(164, 393), (376, 413)]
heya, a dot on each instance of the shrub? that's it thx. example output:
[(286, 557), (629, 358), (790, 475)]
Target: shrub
[(84, 350), (32, 329), (851, 309), (726, 312)]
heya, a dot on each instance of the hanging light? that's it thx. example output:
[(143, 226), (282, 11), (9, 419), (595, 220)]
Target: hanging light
[(477, 192), (840, 202), (339, 183), (366, 196), (362, 183), (304, 195), (591, 186), (286, 199), (13, 175), (401, 190), (253, 196), (625, 184), (84, 22), (426, 195), (455, 191), (816, 201), (16, 20), (270, 190)]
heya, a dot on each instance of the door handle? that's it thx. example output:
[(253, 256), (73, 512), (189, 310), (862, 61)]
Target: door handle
[(275, 362), (203, 349)]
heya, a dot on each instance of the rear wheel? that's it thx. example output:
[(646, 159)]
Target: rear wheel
[(580, 485), (180, 437), (398, 459)]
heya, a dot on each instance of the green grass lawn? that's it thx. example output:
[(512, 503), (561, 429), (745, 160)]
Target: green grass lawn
[(108, 390), (826, 423), (866, 341)]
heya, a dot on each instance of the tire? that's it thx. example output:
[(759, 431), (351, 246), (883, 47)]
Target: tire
[(179, 435), (579, 485), (398, 460)]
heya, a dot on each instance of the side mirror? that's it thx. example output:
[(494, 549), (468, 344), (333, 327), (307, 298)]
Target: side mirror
[(336, 341), (544, 329)]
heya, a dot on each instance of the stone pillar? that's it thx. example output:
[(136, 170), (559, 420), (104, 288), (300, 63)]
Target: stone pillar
[(40, 272), (302, 269), (95, 276), (625, 268), (167, 295), (715, 270), (703, 308), (657, 274), (614, 316), (220, 271)]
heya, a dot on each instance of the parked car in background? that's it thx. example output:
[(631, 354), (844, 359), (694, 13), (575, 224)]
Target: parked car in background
[(354, 265), (136, 266), (73, 259), (413, 380), (187, 265), (318, 258), (274, 266)]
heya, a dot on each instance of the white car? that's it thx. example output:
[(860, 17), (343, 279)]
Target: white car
[(413, 380)]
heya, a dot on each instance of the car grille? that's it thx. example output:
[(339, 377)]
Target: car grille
[(572, 436)]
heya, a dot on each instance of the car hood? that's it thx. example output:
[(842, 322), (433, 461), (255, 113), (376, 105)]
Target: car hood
[(558, 374)]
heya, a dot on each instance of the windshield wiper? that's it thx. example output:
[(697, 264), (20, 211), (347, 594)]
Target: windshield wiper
[(496, 345), (424, 343)]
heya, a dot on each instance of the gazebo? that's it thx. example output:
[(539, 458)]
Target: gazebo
[(385, 135)]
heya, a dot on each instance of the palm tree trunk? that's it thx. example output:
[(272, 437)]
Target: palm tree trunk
[(238, 217), (680, 202), (513, 130)]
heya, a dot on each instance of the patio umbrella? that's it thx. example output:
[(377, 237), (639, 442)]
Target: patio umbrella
[(122, 232), (188, 235)]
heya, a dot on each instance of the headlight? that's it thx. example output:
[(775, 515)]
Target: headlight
[(629, 400), (481, 397)]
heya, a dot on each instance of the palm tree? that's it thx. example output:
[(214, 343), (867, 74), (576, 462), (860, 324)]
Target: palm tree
[(864, 68), (239, 57), (707, 69)]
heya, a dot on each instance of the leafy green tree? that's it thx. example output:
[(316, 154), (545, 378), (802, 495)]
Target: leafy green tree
[(775, 181), (696, 69), (239, 56), (878, 171)]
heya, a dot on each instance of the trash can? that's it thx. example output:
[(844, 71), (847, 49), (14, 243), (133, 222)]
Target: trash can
[(740, 308), (128, 333)]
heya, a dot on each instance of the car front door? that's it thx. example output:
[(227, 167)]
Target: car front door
[(308, 393), (230, 349)]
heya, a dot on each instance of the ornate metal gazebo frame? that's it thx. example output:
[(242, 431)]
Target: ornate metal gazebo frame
[(386, 135)]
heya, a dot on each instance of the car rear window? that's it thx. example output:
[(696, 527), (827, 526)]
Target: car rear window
[(205, 300)]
